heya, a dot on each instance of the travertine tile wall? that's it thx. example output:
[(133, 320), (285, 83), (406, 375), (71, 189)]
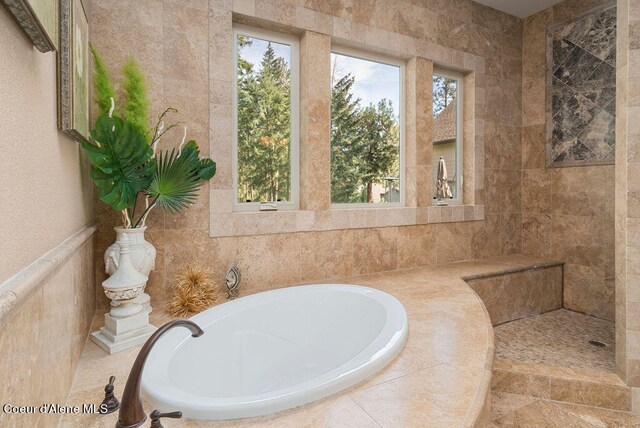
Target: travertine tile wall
[(568, 213), (627, 227), (41, 341), (45, 201), (176, 41)]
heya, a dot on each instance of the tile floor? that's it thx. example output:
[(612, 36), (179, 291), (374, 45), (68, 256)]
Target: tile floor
[(558, 338), (511, 410)]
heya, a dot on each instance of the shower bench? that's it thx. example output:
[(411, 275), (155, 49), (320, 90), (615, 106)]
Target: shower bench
[(526, 286)]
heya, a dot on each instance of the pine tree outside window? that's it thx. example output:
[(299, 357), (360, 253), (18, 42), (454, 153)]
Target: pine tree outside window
[(366, 130), (266, 120)]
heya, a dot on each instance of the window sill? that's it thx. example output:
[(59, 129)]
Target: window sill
[(272, 222)]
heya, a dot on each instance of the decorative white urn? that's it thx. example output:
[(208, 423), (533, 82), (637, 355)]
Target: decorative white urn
[(143, 257), (127, 323)]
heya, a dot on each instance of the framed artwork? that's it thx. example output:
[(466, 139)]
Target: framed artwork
[(581, 91), (38, 19), (73, 70)]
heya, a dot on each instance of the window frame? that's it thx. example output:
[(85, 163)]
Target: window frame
[(294, 133), (401, 64), (459, 77)]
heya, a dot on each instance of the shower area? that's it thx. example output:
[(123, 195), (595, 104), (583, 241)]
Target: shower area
[(567, 352)]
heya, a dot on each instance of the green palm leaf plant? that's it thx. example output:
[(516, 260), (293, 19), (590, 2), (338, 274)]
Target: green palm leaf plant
[(178, 177), (122, 152), (122, 163), (124, 166)]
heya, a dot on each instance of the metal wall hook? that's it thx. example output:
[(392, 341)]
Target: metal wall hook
[(233, 282)]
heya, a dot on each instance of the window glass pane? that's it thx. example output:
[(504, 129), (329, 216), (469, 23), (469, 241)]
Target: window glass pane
[(365, 131), (264, 120), (445, 137)]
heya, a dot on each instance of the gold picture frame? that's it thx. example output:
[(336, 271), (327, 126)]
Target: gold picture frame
[(38, 19), (73, 70)]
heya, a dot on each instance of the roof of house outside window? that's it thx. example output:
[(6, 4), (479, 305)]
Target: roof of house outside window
[(444, 124)]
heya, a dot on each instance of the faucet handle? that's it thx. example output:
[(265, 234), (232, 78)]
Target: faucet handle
[(110, 403), (156, 415)]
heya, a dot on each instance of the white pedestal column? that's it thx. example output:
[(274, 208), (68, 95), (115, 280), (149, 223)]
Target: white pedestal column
[(122, 333)]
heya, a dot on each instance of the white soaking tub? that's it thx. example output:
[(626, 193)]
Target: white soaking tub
[(275, 350)]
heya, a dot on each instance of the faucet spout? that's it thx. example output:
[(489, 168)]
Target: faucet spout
[(131, 411)]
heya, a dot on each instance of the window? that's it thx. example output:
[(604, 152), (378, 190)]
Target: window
[(447, 136), (366, 130), (266, 119)]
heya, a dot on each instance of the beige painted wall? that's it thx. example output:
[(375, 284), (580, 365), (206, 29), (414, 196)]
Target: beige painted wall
[(45, 198), (44, 179), (175, 45), (568, 213)]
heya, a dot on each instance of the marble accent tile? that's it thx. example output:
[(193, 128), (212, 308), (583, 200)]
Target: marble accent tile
[(560, 94), (600, 87), (583, 90), (599, 135), (560, 49), (565, 147), (577, 67), (575, 114), (601, 36), (576, 30)]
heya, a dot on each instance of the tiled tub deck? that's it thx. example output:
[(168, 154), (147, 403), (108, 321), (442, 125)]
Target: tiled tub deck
[(441, 378)]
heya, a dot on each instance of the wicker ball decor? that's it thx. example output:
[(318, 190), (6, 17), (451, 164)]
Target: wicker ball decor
[(194, 291)]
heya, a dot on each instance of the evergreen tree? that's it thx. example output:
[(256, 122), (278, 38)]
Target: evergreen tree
[(444, 92), (346, 143), (364, 141), (364, 144), (381, 139), (264, 117)]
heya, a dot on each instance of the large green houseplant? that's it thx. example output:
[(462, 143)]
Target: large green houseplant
[(131, 175)]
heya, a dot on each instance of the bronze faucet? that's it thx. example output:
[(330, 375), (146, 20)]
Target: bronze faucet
[(131, 411), (156, 416), (110, 403)]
